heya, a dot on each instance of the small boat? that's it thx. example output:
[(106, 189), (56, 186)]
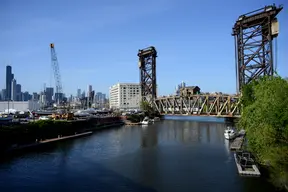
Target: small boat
[(245, 164), (230, 133), (156, 119), (146, 121)]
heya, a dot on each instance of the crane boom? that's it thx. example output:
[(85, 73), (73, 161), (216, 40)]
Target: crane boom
[(57, 76)]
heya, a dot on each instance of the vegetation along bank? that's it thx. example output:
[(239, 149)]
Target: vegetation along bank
[(264, 116)]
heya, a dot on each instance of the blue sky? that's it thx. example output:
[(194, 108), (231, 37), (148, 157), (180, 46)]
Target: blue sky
[(97, 41)]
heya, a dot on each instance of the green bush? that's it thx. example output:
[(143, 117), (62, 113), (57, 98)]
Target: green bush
[(265, 119), (135, 118)]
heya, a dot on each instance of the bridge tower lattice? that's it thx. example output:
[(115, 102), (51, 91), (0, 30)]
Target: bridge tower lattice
[(147, 66), (254, 33)]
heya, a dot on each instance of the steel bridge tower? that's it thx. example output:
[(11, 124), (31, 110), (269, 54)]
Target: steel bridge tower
[(57, 76), (254, 33), (147, 65)]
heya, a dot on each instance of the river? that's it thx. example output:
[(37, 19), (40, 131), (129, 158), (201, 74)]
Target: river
[(171, 155)]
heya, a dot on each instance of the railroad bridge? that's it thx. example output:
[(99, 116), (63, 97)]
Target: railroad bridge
[(254, 35), (205, 105)]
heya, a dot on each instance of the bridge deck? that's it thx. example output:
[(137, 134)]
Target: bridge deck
[(199, 105)]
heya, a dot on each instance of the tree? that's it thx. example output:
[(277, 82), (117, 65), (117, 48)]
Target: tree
[(148, 109), (145, 106), (265, 119)]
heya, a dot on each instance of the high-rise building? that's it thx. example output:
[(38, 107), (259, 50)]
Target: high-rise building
[(42, 99), (26, 96), (83, 94), (35, 96), (8, 82), (178, 87), (3, 94), (125, 96), (49, 92), (18, 92), (59, 97), (79, 93), (13, 90), (100, 99), (89, 90)]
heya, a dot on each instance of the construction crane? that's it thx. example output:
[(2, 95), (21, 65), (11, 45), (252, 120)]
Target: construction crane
[(57, 76)]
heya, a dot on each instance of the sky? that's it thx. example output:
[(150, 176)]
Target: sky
[(97, 42)]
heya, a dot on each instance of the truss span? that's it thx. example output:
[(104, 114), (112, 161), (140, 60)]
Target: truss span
[(199, 105)]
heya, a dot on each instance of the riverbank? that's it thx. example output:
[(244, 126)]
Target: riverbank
[(31, 133)]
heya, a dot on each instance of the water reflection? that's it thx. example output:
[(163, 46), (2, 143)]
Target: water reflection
[(166, 156), (190, 132), (149, 136), (227, 146)]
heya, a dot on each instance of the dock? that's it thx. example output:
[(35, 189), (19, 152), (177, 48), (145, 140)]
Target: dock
[(237, 143), (251, 171), (65, 137), (39, 143)]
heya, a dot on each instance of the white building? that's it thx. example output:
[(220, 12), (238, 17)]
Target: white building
[(125, 96), (19, 105)]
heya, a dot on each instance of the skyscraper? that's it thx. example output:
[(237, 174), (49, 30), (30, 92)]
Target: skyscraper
[(13, 90), (79, 93), (18, 92), (89, 90), (3, 94), (8, 82), (49, 92)]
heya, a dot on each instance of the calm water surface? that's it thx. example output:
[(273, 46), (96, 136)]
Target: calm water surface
[(172, 155)]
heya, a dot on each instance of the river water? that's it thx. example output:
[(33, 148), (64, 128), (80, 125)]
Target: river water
[(171, 155)]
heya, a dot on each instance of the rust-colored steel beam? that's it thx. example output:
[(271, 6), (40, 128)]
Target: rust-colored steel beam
[(199, 105)]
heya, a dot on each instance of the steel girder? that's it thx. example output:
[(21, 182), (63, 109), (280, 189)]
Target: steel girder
[(253, 44), (199, 105), (147, 65)]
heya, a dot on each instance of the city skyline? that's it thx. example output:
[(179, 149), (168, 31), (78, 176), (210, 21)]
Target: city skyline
[(187, 48), (12, 88)]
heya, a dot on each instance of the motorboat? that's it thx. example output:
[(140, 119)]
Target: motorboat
[(156, 119), (230, 133), (146, 121), (246, 164)]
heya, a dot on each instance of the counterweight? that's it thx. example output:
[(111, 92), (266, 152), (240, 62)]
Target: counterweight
[(57, 76)]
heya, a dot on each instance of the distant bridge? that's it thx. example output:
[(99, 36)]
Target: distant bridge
[(254, 34), (199, 105)]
